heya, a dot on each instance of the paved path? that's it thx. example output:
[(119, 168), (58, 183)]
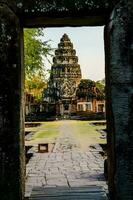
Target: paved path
[(66, 171)]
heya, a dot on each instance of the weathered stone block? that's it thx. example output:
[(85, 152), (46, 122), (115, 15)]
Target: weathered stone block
[(119, 79), (11, 111), (63, 12)]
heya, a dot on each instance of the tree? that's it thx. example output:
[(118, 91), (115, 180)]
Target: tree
[(88, 88), (101, 85), (34, 50), (35, 86)]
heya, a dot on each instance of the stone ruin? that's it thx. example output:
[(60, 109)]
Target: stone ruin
[(117, 17), (70, 94)]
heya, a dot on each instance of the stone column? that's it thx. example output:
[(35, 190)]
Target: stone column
[(11, 107), (119, 89)]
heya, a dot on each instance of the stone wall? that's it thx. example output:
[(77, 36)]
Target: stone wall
[(119, 87), (11, 107)]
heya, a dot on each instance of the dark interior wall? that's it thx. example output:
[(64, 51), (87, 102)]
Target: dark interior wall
[(11, 107), (119, 87)]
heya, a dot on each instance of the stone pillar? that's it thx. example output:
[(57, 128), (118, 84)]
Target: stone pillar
[(11, 109), (119, 89)]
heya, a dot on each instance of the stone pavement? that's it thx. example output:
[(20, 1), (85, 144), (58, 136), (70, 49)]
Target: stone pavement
[(67, 166)]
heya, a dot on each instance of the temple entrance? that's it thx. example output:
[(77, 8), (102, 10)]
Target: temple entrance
[(117, 16), (68, 152), (66, 109)]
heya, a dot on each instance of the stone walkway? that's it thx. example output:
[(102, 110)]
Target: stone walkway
[(66, 167)]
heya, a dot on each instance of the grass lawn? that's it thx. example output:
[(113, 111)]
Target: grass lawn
[(83, 131), (47, 132), (87, 134)]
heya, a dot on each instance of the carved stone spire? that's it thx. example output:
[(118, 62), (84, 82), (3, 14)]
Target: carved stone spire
[(65, 71)]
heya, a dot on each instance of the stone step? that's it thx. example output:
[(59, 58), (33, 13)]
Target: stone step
[(62, 193)]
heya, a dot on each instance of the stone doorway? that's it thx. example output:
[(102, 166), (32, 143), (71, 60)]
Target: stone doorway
[(67, 167), (66, 109), (14, 16)]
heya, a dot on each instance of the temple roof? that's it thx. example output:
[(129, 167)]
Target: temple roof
[(65, 37), (65, 61)]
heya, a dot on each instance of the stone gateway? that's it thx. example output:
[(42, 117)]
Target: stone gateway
[(117, 16)]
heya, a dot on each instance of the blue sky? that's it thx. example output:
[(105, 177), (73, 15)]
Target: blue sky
[(89, 45)]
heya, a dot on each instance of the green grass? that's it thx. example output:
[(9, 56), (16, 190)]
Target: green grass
[(48, 130), (83, 131), (87, 134)]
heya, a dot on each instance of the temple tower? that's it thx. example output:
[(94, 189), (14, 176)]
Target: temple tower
[(65, 75)]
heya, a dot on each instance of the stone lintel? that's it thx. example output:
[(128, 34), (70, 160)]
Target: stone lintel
[(65, 21), (62, 13)]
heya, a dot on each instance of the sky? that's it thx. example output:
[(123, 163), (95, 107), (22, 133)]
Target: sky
[(89, 45)]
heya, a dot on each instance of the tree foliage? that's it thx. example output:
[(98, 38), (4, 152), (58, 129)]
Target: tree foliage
[(35, 86), (34, 51), (88, 89), (86, 83), (101, 85)]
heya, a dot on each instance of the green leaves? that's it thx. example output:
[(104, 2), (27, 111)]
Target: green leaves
[(89, 89), (34, 51), (101, 85)]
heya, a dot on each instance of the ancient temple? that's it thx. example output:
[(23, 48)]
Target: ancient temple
[(67, 93), (65, 77)]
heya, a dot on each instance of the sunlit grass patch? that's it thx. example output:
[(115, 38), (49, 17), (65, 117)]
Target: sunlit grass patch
[(47, 130), (84, 132), (87, 133)]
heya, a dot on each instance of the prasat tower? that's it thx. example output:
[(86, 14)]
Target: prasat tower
[(65, 76)]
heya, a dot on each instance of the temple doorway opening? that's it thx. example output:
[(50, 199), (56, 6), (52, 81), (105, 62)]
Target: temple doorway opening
[(66, 128)]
